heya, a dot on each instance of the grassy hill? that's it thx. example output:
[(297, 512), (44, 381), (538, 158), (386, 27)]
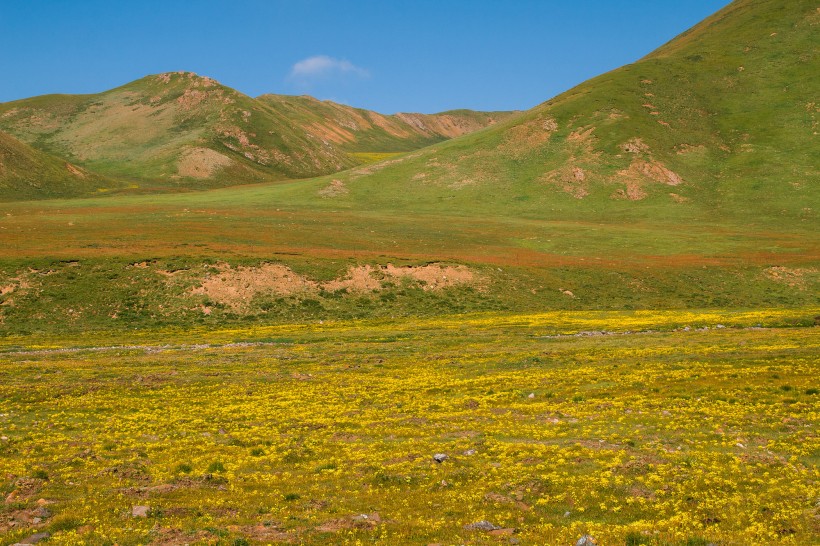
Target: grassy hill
[(685, 180), (27, 172), (182, 130), (365, 131), (721, 123)]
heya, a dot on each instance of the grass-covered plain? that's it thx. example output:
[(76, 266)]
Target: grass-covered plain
[(649, 433)]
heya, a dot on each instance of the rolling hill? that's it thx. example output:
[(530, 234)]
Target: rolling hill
[(722, 121), (180, 130), (29, 173), (365, 131), (688, 179)]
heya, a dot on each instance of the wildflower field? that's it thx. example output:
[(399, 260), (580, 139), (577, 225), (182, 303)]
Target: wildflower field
[(679, 428)]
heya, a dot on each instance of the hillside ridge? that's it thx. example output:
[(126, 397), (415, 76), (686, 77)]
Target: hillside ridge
[(179, 130)]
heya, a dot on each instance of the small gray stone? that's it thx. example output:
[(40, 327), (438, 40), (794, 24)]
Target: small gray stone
[(567, 514), (531, 395), (42, 512), (470, 452), (34, 539), (440, 457), (140, 511), (586, 540), (482, 525)]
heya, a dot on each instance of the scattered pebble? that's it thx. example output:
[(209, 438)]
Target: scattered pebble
[(482, 525), (42, 512), (33, 539), (440, 457), (140, 511), (586, 540)]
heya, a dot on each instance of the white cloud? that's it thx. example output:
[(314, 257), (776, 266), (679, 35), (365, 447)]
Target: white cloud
[(321, 67)]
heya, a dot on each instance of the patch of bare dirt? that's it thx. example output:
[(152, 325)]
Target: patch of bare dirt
[(201, 163), (792, 277), (525, 137), (639, 174), (653, 170), (336, 188), (236, 287), (446, 125), (678, 198), (328, 133), (368, 278), (75, 171), (13, 287), (178, 537), (191, 98), (358, 279), (635, 146), (263, 533), (360, 521), (571, 177), (685, 149), (434, 276)]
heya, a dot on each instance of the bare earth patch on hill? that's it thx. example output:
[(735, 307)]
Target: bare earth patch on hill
[(336, 188), (639, 174), (571, 177), (526, 137), (201, 163), (792, 277), (235, 287)]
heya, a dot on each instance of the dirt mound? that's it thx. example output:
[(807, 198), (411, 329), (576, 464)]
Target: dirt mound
[(639, 174), (75, 171), (526, 137), (635, 146), (336, 188), (571, 177), (793, 277), (236, 287), (201, 163)]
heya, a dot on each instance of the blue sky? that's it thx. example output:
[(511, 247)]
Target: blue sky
[(389, 56)]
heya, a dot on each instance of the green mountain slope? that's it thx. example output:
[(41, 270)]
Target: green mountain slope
[(27, 172), (183, 130), (359, 130), (721, 123), (171, 129)]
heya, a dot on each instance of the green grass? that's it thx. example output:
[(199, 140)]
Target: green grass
[(26, 172), (373, 157)]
